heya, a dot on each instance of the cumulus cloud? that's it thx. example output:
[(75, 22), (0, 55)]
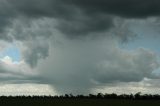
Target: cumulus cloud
[(16, 72)]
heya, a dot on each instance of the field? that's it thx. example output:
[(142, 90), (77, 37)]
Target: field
[(77, 102)]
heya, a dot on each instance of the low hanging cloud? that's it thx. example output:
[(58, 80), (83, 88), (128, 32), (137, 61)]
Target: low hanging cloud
[(146, 86)]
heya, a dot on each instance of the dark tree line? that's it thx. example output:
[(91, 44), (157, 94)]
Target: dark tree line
[(90, 96)]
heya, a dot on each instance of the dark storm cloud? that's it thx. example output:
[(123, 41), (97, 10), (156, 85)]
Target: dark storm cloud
[(77, 17), (123, 8), (74, 18), (7, 13), (67, 8), (85, 25), (73, 21)]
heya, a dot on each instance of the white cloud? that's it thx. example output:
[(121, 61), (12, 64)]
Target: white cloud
[(146, 86), (26, 89), (7, 60), (15, 72)]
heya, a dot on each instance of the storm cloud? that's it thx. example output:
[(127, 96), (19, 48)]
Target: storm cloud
[(77, 66), (75, 45), (78, 18)]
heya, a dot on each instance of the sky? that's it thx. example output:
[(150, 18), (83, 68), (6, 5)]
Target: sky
[(54, 47)]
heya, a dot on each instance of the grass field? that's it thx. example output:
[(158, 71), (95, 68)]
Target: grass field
[(78, 102)]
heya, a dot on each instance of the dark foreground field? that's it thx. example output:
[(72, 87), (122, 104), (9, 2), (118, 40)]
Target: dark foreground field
[(78, 102), (92, 100)]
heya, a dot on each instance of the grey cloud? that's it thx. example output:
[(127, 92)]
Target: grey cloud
[(76, 66), (72, 20), (35, 51), (7, 13), (123, 8), (83, 25), (76, 17), (24, 29), (82, 17), (34, 36), (128, 67)]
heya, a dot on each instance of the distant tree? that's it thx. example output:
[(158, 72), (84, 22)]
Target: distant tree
[(100, 95), (66, 96), (137, 95)]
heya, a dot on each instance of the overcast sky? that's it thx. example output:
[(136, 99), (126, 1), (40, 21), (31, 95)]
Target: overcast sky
[(50, 47)]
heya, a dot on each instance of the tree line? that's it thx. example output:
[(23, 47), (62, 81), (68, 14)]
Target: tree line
[(90, 96)]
